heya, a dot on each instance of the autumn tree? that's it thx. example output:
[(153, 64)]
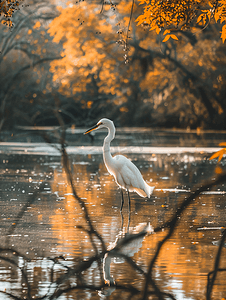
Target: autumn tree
[(26, 50), (108, 65), (186, 15), (131, 75)]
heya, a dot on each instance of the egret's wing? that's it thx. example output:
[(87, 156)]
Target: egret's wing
[(128, 172), (140, 192), (128, 176)]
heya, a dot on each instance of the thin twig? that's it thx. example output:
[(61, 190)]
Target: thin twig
[(24, 275), (22, 211), (66, 165), (173, 222), (130, 19), (211, 280)]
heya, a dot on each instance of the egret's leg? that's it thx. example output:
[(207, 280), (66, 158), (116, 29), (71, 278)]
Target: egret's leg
[(122, 220), (129, 211), (122, 200), (128, 199)]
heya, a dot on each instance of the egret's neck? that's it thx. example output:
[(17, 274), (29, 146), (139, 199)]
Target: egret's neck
[(107, 141), (109, 138)]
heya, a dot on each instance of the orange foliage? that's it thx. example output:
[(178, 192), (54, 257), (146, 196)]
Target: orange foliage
[(7, 8), (180, 15), (93, 63), (219, 153), (90, 49)]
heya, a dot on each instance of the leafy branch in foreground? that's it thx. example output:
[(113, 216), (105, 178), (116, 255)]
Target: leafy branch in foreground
[(219, 153)]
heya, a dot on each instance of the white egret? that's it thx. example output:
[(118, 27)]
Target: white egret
[(126, 174)]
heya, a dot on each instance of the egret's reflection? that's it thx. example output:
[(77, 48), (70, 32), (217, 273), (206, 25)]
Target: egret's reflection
[(127, 243)]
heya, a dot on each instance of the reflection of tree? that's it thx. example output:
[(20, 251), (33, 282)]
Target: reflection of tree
[(65, 278), (67, 219)]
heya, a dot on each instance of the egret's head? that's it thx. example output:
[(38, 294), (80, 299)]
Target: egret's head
[(101, 124)]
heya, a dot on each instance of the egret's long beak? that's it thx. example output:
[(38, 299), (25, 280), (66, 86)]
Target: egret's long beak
[(92, 128)]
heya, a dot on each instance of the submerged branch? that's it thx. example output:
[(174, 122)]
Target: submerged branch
[(30, 201), (211, 279), (173, 223)]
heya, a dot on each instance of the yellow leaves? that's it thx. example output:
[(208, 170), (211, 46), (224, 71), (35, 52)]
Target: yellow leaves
[(168, 36), (29, 31), (7, 8), (166, 31), (219, 153), (37, 25), (222, 144), (123, 109), (217, 15), (202, 19), (124, 7), (157, 29), (89, 104), (143, 2), (140, 20), (162, 13), (218, 170), (223, 33), (220, 110), (181, 15)]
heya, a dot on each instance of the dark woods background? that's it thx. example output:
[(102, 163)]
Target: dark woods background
[(134, 79)]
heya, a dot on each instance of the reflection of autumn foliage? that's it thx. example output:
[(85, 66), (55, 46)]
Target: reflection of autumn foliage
[(178, 259), (167, 255), (66, 220)]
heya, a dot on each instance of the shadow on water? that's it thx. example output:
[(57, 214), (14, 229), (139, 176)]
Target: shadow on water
[(53, 225)]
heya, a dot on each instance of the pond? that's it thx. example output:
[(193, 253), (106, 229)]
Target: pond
[(42, 220)]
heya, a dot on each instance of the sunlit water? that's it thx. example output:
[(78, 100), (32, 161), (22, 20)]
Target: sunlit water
[(49, 226)]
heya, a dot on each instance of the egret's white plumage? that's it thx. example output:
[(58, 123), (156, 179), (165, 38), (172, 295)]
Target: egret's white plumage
[(126, 174)]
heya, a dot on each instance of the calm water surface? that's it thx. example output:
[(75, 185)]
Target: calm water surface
[(49, 225)]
